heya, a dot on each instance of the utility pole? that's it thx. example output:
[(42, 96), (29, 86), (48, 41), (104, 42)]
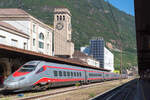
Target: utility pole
[(120, 59)]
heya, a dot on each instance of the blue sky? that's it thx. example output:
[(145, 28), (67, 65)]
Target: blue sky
[(124, 5)]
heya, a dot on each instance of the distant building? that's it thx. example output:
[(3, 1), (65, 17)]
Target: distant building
[(108, 60), (102, 54), (97, 50), (63, 46), (21, 30), (85, 50), (87, 59)]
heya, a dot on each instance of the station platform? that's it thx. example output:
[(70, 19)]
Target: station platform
[(134, 90)]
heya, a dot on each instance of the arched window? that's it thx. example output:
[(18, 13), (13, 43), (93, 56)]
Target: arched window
[(41, 36), (57, 17), (63, 17), (60, 17), (41, 40)]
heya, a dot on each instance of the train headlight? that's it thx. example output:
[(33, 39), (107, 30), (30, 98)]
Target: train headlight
[(21, 78)]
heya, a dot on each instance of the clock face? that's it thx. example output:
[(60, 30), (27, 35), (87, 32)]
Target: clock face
[(59, 26)]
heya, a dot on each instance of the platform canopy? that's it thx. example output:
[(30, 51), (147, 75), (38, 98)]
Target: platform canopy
[(12, 52), (142, 17)]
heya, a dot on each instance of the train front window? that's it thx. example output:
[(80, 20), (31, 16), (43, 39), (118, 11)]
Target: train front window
[(27, 68)]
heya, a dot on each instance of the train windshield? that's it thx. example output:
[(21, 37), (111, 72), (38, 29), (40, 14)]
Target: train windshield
[(27, 68)]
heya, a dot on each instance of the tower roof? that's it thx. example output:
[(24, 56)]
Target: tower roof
[(62, 10)]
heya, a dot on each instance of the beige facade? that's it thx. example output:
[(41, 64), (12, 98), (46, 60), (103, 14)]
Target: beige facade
[(62, 33), (40, 34)]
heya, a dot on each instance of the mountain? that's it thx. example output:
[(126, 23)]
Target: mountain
[(90, 18)]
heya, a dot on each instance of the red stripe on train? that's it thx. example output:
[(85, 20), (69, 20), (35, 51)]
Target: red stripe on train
[(57, 80), (16, 74)]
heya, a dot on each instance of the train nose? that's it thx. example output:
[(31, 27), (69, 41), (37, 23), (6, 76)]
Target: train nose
[(10, 85)]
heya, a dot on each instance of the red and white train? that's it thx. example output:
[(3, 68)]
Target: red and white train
[(41, 75)]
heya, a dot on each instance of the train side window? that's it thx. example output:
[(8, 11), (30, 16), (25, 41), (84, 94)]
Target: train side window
[(60, 73), (77, 74), (55, 73), (68, 73), (71, 73), (80, 73), (74, 73), (64, 73)]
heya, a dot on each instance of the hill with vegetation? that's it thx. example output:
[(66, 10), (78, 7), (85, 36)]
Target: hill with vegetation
[(90, 18)]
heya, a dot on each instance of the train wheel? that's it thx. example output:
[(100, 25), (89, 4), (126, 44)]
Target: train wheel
[(37, 87), (45, 86)]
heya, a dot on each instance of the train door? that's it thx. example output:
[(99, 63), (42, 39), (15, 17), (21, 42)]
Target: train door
[(86, 77)]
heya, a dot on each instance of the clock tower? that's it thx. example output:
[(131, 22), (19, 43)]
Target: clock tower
[(63, 46)]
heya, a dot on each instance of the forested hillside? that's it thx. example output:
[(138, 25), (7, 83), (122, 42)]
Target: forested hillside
[(90, 18)]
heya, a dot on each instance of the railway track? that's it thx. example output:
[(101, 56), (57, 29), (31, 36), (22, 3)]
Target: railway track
[(61, 91), (53, 91), (124, 92), (31, 95)]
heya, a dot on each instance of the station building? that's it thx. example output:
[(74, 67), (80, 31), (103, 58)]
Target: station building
[(23, 33), (39, 34), (10, 35)]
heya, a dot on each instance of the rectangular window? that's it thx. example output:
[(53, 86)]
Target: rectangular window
[(80, 73), (41, 45), (74, 73), (14, 42), (100, 75), (60, 73), (34, 28), (68, 73), (25, 45), (77, 74), (47, 46), (71, 73), (64, 73), (55, 73), (33, 42)]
